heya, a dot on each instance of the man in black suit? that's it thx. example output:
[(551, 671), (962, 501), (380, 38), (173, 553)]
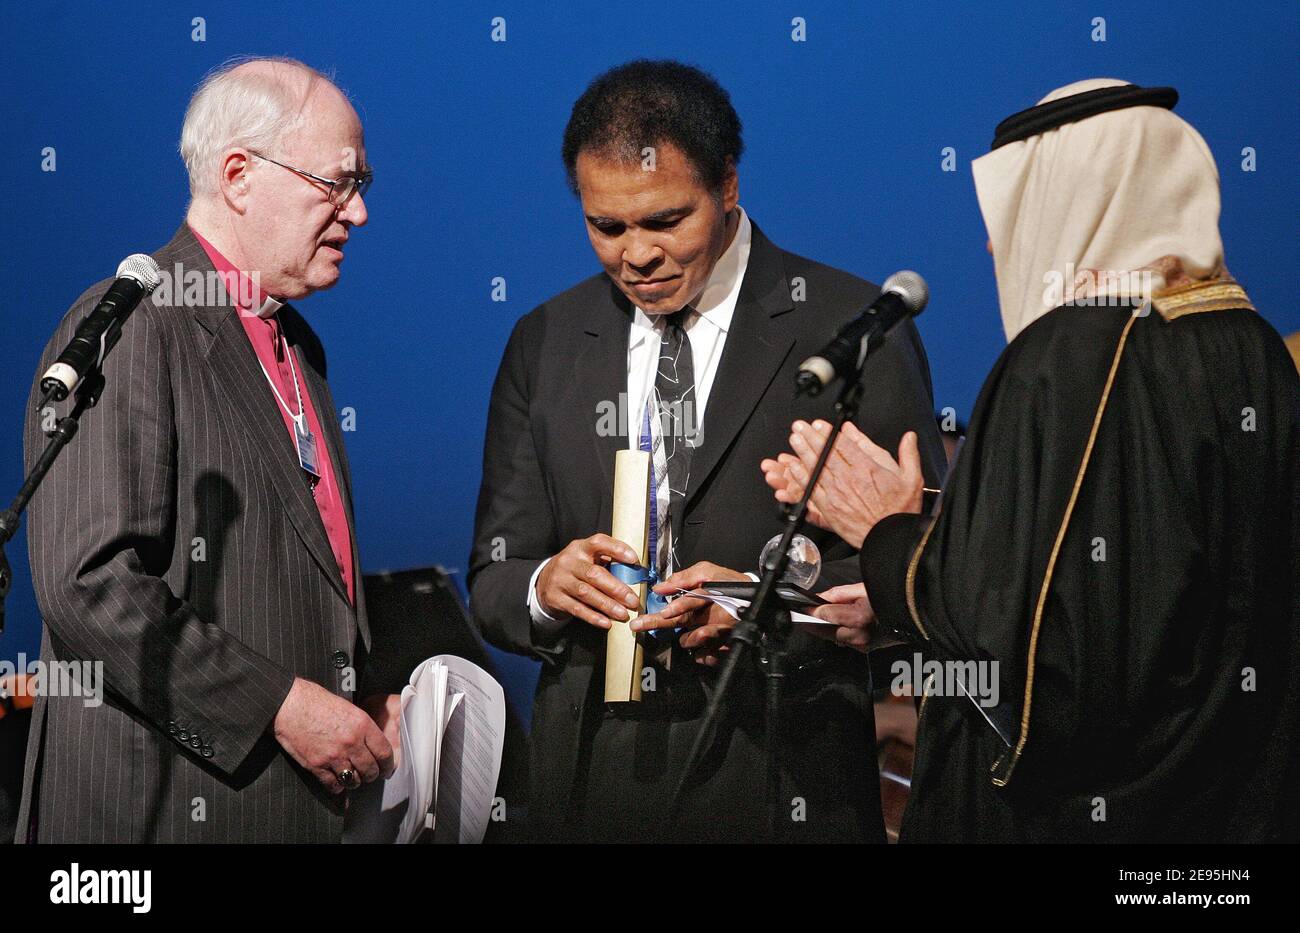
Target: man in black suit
[(700, 321)]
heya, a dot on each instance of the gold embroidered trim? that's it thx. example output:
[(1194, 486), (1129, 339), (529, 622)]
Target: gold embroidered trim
[(1197, 297), (911, 579), (1005, 778), (927, 689)]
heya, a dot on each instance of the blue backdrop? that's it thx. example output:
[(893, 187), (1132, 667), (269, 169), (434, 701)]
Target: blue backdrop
[(844, 136)]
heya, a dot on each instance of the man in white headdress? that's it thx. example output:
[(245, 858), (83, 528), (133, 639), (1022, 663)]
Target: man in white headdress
[(1117, 546)]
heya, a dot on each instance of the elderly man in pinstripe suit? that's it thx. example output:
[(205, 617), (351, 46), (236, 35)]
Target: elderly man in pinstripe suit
[(197, 537)]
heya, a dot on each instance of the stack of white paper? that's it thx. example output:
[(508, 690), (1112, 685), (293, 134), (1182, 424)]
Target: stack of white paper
[(453, 732)]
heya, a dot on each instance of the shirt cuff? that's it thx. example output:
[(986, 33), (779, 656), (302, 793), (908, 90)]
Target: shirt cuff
[(753, 576), (544, 622)]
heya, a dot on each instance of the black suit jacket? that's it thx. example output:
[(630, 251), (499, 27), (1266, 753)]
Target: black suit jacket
[(177, 542), (548, 473)]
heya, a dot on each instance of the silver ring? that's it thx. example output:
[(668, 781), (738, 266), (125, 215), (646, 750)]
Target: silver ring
[(347, 777)]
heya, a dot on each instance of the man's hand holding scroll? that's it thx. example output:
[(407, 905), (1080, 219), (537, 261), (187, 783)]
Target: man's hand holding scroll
[(577, 582)]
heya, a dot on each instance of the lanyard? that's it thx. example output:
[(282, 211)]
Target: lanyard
[(304, 441), (299, 419)]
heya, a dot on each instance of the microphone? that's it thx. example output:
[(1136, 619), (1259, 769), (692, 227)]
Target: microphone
[(904, 295), (97, 334)]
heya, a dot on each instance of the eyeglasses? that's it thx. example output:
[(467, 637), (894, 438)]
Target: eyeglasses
[(340, 189)]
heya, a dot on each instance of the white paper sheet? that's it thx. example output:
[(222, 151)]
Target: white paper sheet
[(453, 734), (473, 741)]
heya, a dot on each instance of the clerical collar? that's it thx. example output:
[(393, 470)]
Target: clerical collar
[(268, 307), (1076, 107), (244, 294)]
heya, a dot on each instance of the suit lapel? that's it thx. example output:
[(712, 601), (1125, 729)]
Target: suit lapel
[(751, 358), (323, 401), (238, 375), (600, 378)]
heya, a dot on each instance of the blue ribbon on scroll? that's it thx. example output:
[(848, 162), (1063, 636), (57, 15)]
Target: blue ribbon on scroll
[(632, 574)]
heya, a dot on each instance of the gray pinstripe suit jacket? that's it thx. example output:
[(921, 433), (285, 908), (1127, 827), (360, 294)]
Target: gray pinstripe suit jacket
[(197, 654)]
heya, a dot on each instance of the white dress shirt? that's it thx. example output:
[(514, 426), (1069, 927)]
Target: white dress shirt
[(707, 330)]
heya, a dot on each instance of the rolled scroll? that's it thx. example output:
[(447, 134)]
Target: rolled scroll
[(631, 516)]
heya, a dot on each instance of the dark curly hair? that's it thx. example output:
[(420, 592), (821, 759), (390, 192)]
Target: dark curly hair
[(647, 103)]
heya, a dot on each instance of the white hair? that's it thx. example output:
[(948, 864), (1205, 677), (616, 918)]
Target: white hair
[(251, 107)]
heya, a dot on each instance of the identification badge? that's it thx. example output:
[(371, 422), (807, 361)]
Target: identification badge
[(306, 448)]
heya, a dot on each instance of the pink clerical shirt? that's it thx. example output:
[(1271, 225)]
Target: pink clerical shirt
[(271, 349)]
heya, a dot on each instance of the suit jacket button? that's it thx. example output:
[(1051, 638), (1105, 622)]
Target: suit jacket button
[(172, 728), (196, 742), (339, 659), (183, 735), (577, 712), (207, 751)]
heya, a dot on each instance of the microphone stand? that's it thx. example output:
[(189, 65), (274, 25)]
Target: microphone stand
[(88, 393), (765, 625)]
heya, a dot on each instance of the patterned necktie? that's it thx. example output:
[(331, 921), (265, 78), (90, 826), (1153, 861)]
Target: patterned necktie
[(675, 400)]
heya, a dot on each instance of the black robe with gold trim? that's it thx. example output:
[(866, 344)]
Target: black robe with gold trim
[(1122, 535)]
